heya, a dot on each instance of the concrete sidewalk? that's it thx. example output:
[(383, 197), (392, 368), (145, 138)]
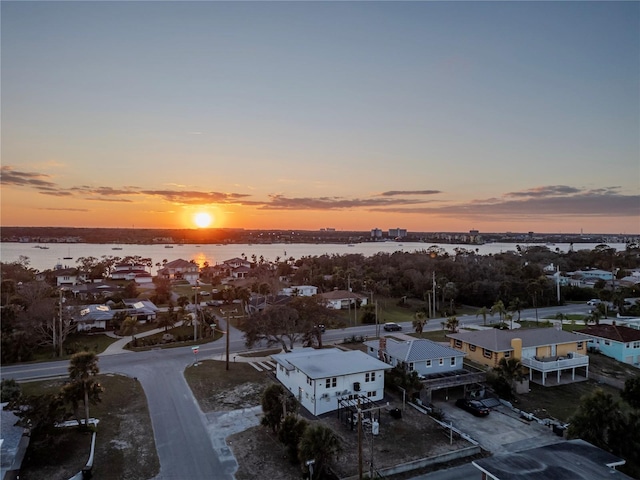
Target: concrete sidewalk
[(117, 347)]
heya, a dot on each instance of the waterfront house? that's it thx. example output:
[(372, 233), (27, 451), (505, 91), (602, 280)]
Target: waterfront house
[(68, 277), (551, 356), (321, 378), (131, 272), (180, 270), (615, 341)]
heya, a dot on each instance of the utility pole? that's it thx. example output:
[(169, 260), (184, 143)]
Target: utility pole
[(434, 294), (195, 321), (359, 441), (54, 327), (228, 333)]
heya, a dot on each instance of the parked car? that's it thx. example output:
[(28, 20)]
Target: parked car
[(392, 327), (594, 302), (472, 406)]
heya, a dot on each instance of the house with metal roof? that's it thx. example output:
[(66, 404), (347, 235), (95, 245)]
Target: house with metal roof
[(551, 356), (422, 356), (319, 378), (439, 366), (93, 316), (615, 341)]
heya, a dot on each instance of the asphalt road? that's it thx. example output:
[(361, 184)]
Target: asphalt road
[(184, 447)]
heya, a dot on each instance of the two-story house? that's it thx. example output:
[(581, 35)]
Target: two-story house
[(131, 271), (180, 270), (319, 378), (549, 354), (615, 341), (68, 277)]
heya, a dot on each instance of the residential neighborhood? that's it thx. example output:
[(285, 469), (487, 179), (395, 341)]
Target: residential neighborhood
[(327, 346)]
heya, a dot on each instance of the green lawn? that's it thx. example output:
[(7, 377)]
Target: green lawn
[(184, 332), (77, 341)]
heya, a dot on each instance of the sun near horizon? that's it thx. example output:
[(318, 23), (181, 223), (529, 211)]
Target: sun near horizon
[(202, 219)]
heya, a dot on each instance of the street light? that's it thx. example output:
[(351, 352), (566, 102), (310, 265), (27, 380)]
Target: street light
[(309, 463)]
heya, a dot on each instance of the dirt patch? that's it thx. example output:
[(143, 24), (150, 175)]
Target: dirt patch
[(125, 447), (414, 436)]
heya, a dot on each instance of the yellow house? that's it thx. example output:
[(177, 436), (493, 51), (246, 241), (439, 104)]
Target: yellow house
[(547, 353)]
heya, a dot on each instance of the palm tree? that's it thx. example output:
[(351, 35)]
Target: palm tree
[(516, 306), (83, 367), (130, 327), (509, 318), (498, 308), (320, 444), (419, 322), (484, 312), (512, 370), (452, 324)]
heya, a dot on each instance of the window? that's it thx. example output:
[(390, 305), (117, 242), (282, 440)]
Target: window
[(507, 354), (607, 342), (331, 382), (458, 343), (580, 345), (487, 353), (410, 367), (453, 361), (472, 348), (369, 377), (636, 344), (428, 364), (372, 394), (441, 361), (309, 381)]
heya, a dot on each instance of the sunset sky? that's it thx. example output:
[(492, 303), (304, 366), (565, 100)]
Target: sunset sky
[(429, 116)]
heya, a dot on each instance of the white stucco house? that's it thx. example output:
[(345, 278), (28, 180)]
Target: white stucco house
[(318, 378)]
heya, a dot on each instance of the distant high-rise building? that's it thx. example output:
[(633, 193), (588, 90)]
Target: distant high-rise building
[(376, 233), (397, 232)]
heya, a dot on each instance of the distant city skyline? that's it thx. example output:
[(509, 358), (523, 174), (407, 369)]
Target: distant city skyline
[(425, 116)]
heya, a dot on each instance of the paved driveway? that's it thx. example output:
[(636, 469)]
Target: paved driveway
[(502, 431)]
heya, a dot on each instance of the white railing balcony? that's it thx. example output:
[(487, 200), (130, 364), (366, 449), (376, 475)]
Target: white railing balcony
[(551, 364)]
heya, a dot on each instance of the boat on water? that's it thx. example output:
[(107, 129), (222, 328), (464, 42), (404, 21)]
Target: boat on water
[(168, 246), (68, 257), (116, 248)]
